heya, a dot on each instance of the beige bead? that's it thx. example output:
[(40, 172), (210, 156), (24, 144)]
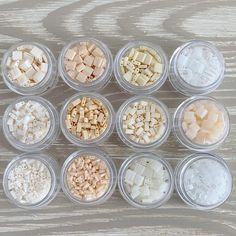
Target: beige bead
[(98, 52), (80, 67), (88, 70), (98, 72), (70, 54), (88, 60), (81, 77), (98, 61)]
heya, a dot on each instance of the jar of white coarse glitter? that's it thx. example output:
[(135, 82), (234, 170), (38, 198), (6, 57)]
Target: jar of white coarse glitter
[(203, 181)]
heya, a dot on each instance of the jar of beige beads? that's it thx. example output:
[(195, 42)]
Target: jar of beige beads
[(201, 123), (29, 68), (87, 119), (85, 64), (143, 122), (141, 67), (88, 177)]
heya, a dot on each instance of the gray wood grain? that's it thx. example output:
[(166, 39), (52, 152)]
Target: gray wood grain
[(168, 23)]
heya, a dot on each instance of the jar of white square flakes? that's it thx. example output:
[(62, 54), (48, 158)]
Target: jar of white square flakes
[(145, 180), (196, 67)]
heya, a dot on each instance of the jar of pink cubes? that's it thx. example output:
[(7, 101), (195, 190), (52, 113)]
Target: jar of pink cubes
[(201, 123), (85, 64)]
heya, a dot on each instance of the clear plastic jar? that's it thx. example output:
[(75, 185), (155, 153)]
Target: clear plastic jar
[(87, 142), (112, 179), (127, 86), (202, 143), (124, 190), (53, 169), (49, 137), (132, 143), (94, 85), (196, 67), (48, 82), (214, 181)]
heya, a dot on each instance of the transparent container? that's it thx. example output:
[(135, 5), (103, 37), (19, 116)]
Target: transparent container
[(53, 168), (46, 84), (123, 189), (180, 180), (49, 138), (133, 89), (196, 68), (95, 85), (180, 133), (131, 143), (88, 142), (112, 171)]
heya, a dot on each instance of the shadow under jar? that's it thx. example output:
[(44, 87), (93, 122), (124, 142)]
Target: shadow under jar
[(201, 123), (88, 177), (31, 181), (196, 68), (86, 64), (29, 68), (145, 180), (141, 67), (203, 181), (87, 119), (31, 124), (143, 122)]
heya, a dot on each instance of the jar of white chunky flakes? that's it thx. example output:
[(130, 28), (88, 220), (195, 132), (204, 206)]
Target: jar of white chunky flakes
[(31, 124), (203, 181)]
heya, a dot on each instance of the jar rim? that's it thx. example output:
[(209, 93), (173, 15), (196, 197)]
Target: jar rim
[(130, 88)]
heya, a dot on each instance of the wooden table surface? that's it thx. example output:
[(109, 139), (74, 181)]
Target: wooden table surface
[(168, 23)]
